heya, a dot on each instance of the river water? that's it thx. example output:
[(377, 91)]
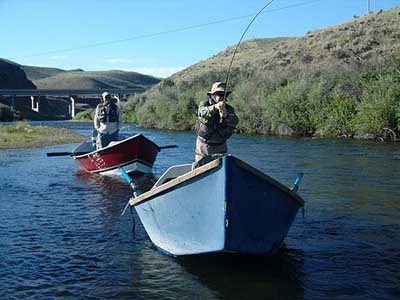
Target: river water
[(62, 237)]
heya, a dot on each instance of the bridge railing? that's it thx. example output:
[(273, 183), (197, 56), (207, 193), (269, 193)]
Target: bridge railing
[(66, 92), (36, 94)]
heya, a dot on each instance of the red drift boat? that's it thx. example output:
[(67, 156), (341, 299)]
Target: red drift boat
[(136, 154)]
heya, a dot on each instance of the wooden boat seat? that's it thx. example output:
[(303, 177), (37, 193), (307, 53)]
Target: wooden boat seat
[(172, 173)]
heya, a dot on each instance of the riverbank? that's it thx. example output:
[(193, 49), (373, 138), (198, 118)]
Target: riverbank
[(22, 135)]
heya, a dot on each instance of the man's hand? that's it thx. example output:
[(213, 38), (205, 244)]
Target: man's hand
[(220, 106)]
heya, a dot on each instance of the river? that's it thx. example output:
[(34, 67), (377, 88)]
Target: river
[(62, 237)]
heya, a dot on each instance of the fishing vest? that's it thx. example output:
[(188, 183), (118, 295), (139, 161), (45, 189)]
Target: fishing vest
[(211, 129), (112, 115)]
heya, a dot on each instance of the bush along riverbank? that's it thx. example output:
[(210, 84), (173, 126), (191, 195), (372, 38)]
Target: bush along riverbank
[(22, 135), (339, 102), (341, 81), (85, 116), (8, 114)]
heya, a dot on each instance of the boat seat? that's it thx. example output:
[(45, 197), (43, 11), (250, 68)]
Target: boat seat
[(85, 147), (172, 173)]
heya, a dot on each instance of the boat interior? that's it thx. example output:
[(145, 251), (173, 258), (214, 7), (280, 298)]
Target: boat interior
[(179, 170), (87, 146), (90, 145), (172, 173)]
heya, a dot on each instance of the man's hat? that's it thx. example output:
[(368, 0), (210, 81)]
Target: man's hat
[(219, 87), (105, 94)]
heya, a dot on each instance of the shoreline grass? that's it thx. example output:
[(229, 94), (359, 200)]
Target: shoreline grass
[(22, 135)]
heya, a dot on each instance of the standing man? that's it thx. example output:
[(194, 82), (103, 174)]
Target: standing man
[(107, 121), (216, 122)]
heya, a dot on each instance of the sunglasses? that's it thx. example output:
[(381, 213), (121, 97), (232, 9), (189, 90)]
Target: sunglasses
[(221, 94)]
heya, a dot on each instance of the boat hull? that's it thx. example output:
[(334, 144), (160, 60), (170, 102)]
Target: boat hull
[(136, 154), (230, 208)]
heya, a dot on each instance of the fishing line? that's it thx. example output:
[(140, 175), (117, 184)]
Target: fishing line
[(238, 44)]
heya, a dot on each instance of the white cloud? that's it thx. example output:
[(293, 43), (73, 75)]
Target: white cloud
[(58, 57), (162, 72), (119, 60)]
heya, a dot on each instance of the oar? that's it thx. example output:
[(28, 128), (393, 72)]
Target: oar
[(82, 153), (65, 153), (297, 182), (136, 190), (168, 146)]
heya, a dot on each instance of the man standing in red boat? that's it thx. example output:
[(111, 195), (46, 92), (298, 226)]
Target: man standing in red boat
[(216, 122), (107, 121)]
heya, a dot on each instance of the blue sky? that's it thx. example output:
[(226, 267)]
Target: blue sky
[(156, 37)]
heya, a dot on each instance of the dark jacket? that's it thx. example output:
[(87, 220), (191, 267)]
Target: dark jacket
[(112, 116), (209, 124)]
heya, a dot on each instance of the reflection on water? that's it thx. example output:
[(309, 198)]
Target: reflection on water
[(250, 277), (112, 184), (62, 234)]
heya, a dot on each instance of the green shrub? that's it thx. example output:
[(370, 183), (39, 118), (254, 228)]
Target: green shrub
[(288, 106), (86, 115), (380, 104), (340, 113), (344, 100), (8, 114), (249, 101)]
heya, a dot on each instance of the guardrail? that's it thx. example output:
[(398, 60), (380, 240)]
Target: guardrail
[(65, 92)]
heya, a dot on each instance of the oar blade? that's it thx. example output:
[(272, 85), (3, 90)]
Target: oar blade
[(59, 153), (66, 153), (168, 146)]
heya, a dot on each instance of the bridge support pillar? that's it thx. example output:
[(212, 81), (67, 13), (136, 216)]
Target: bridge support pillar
[(35, 103), (72, 107), (13, 101)]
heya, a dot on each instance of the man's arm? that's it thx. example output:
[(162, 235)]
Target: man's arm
[(231, 119), (119, 111), (96, 119), (206, 111)]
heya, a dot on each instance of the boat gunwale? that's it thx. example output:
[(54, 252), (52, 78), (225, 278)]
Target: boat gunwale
[(208, 167), (113, 145)]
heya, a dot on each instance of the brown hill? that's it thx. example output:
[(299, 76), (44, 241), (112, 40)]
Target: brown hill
[(35, 73), (360, 41), (97, 80), (13, 77)]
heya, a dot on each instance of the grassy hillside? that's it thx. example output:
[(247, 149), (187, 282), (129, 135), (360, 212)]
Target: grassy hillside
[(338, 81), (97, 79), (35, 73)]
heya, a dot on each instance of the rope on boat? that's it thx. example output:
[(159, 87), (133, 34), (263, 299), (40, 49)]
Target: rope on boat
[(133, 222)]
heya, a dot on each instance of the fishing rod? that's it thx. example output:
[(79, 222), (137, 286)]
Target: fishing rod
[(238, 44)]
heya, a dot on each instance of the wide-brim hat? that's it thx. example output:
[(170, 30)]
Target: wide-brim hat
[(105, 94), (219, 87)]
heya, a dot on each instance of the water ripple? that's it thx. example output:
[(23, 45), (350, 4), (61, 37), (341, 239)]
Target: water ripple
[(61, 234)]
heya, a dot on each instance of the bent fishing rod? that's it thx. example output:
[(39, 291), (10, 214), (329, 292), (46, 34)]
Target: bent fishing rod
[(126, 176), (238, 44)]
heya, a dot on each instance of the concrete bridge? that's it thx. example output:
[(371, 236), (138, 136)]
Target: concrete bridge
[(73, 94)]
